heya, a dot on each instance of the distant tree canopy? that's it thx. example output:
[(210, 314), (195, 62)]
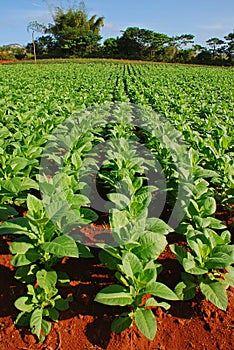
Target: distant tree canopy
[(74, 33), (138, 43)]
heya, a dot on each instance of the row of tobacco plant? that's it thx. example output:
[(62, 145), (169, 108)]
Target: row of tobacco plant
[(123, 169)]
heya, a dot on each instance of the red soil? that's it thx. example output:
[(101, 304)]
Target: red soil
[(5, 61), (194, 324)]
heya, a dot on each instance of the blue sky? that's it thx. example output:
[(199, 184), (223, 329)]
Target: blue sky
[(202, 18)]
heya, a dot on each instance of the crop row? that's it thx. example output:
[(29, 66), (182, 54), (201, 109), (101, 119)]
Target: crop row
[(154, 140)]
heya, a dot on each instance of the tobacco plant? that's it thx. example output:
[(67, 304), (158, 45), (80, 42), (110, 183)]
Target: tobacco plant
[(42, 302), (192, 101), (136, 266)]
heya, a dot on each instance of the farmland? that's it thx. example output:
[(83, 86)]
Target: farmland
[(69, 128)]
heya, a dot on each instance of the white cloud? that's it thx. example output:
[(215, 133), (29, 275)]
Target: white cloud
[(36, 4), (111, 27), (211, 26)]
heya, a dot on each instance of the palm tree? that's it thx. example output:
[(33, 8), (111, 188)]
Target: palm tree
[(96, 23)]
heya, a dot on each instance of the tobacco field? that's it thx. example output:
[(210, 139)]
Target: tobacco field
[(123, 166)]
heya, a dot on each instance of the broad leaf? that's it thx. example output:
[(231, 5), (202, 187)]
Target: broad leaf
[(151, 246), (31, 256), (36, 322), (62, 304), (160, 290), (146, 323), (46, 279), (131, 264), (62, 246), (121, 201), (157, 225), (6, 211), (24, 304), (34, 204), (215, 292), (208, 206), (121, 323), (185, 290), (114, 295)]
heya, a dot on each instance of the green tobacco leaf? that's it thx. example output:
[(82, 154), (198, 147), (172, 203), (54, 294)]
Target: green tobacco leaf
[(46, 279), (84, 251), (13, 185), (121, 323), (28, 184), (62, 246), (19, 163), (114, 295), (88, 215), (148, 275), (219, 260), (121, 201), (208, 206), (227, 249), (151, 246), (185, 290), (229, 276), (200, 188), (6, 211), (113, 251), (160, 290), (4, 132), (27, 258), (151, 302), (118, 219), (226, 237), (216, 224), (146, 323), (57, 210), (131, 264), (190, 266), (62, 304), (179, 252), (183, 228), (45, 330), (76, 159), (16, 226), (205, 173), (23, 319), (27, 273), (24, 304), (77, 200), (34, 204), (36, 322), (53, 314), (20, 247), (157, 225), (121, 279), (215, 292)]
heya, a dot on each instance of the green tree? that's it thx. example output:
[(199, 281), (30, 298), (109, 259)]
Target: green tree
[(141, 43), (214, 44), (75, 33), (230, 46), (110, 47), (183, 40), (44, 45)]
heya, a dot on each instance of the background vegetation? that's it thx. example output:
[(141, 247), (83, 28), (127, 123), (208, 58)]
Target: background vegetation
[(74, 34)]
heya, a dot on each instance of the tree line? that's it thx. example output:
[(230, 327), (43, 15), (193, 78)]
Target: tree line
[(74, 34)]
